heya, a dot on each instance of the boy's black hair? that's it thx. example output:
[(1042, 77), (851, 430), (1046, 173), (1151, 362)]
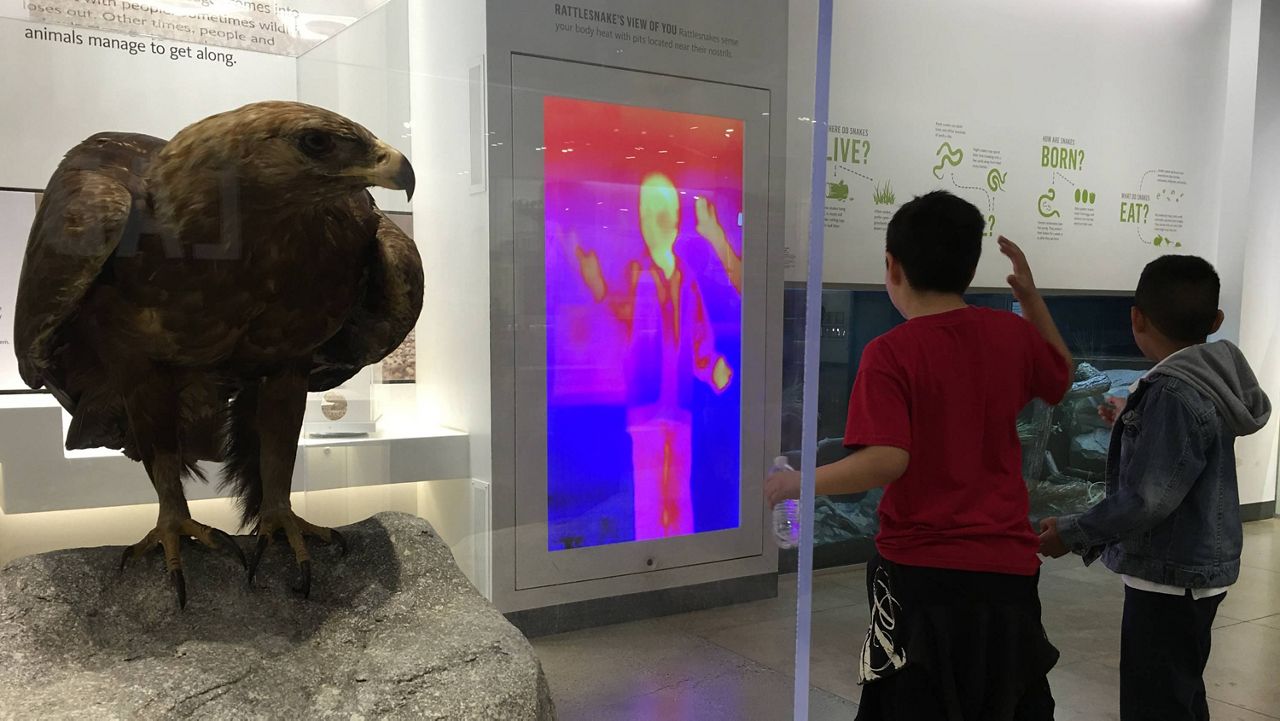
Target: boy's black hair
[(937, 238), (1179, 295)]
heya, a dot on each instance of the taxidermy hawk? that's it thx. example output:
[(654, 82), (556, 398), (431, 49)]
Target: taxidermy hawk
[(180, 299)]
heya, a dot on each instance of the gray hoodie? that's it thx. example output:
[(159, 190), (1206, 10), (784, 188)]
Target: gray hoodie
[(1220, 372), (1172, 511)]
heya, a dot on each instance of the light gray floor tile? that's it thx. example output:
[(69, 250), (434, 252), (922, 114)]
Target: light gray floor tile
[(750, 693), (615, 663), (829, 591), (1223, 621), (1085, 691), (1090, 691), (1082, 615), (1220, 711), (836, 642), (1262, 545), (1256, 595), (1244, 669), (737, 662)]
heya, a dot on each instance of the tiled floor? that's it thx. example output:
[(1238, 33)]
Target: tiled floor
[(736, 663)]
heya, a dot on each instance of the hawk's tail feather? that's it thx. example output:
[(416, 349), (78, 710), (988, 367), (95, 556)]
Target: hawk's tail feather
[(191, 470), (242, 469)]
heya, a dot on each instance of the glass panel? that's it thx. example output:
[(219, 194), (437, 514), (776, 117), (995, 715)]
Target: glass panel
[(1063, 447), (1094, 179), (607, 203)]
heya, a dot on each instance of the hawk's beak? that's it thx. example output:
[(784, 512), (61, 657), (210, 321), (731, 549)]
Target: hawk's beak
[(393, 171)]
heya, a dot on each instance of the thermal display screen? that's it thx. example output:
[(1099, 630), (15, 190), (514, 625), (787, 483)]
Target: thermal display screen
[(643, 219)]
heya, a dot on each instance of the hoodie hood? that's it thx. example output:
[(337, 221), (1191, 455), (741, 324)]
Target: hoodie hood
[(1219, 371)]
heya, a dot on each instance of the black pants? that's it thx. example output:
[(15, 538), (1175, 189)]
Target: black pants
[(1164, 646), (973, 644)]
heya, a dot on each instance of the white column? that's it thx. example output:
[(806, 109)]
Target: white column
[(1256, 456)]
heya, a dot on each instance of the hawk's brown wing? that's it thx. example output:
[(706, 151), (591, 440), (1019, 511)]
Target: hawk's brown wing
[(92, 202), (390, 301)]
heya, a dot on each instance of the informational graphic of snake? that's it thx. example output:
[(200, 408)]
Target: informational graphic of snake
[(975, 172), (852, 188), (1092, 184), (1155, 210), (1065, 198)]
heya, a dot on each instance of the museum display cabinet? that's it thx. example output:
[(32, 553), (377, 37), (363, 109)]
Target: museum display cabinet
[(587, 404)]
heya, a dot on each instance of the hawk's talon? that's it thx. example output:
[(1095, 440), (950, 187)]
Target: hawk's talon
[(295, 531), (304, 586), (179, 586), (263, 542), (168, 535), (225, 540)]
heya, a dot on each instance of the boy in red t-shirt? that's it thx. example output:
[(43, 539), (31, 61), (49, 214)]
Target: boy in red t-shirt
[(955, 630)]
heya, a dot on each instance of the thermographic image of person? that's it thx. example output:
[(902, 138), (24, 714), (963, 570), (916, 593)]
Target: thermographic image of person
[(670, 345)]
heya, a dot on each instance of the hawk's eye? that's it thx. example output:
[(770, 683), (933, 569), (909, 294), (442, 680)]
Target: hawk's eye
[(316, 144)]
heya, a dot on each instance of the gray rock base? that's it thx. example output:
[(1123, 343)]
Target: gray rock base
[(393, 630)]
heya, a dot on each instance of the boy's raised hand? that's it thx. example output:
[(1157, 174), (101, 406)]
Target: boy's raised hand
[(1034, 309), (1021, 280), (1051, 544), (1110, 409), (708, 225)]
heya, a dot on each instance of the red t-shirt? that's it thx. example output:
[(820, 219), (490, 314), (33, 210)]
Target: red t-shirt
[(947, 389)]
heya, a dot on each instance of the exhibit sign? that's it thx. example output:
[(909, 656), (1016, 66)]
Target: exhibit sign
[(1093, 180), (643, 234), (275, 27), (100, 89)]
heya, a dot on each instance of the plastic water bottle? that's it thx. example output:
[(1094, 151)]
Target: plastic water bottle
[(786, 515)]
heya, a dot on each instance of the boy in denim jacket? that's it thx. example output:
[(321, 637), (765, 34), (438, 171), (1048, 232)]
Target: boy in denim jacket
[(1170, 524)]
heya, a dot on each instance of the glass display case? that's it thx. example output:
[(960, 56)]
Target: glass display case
[(595, 223), (368, 444), (1064, 447), (584, 409)]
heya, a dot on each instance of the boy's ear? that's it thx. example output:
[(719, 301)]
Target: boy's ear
[(1138, 320), (1217, 322), (892, 269)]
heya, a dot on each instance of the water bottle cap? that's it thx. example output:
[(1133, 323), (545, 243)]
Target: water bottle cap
[(780, 462)]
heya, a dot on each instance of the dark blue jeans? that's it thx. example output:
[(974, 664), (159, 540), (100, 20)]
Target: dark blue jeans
[(1164, 646)]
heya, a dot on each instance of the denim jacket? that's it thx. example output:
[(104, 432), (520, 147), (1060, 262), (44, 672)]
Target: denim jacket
[(1172, 511)]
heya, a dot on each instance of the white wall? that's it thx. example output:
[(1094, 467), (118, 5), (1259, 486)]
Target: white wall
[(450, 224), (56, 95), (1235, 157), (363, 73), (1138, 85), (22, 534), (802, 67), (1260, 327), (17, 211)]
